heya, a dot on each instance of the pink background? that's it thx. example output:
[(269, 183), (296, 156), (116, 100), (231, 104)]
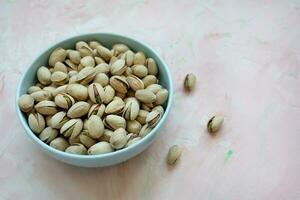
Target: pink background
[(246, 57)]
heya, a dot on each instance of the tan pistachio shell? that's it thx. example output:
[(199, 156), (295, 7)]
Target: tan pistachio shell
[(100, 148), (131, 109), (59, 144), (86, 75), (44, 75), (153, 118), (36, 122), (120, 48), (77, 91), (114, 122), (154, 88), (48, 134), (109, 94), (149, 80), (129, 57), (139, 70), (76, 149), (96, 93), (96, 109), (33, 89), (119, 83), (95, 127), (115, 107), (104, 52), (214, 124), (26, 102), (145, 96), (161, 96), (139, 58), (58, 55), (46, 107), (151, 66), (58, 120), (145, 130), (72, 128), (133, 141), (41, 95), (118, 67), (64, 100), (135, 82), (59, 66), (87, 61), (133, 126), (106, 135), (174, 154), (93, 44), (190, 82), (59, 78), (102, 68), (79, 109), (74, 56), (60, 89), (142, 115), (118, 139), (102, 79)]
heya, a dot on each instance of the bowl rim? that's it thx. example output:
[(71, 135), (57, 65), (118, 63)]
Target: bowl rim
[(52, 150)]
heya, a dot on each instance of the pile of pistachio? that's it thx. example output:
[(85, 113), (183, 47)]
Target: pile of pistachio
[(94, 100)]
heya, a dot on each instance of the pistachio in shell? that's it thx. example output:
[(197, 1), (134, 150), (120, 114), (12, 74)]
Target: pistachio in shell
[(100, 148), (77, 91), (46, 107), (114, 122), (145, 96), (44, 75), (26, 102), (72, 128), (64, 100), (58, 55), (59, 143), (96, 109), (96, 93), (58, 120), (118, 138), (119, 83), (76, 149), (95, 127), (36, 122), (48, 134), (79, 109)]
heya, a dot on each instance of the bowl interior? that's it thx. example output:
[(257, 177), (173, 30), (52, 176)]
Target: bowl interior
[(107, 39)]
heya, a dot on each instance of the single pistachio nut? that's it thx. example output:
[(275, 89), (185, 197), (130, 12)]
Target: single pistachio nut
[(214, 124), (79, 109), (86, 75), (190, 82), (173, 154), (145, 130), (44, 75), (154, 88), (153, 118), (139, 70), (133, 126), (106, 135), (135, 82), (59, 144), (102, 79), (77, 91), (71, 65), (46, 107), (58, 120), (102, 68), (60, 89), (50, 89), (100, 148), (93, 44), (95, 127), (160, 109), (99, 60), (145, 96), (131, 109), (96, 93), (149, 80), (151, 66), (87, 61), (85, 51), (115, 107), (133, 141), (104, 52), (33, 89), (74, 56), (72, 128), (161, 96), (118, 67), (59, 78), (114, 122), (142, 115), (48, 134), (80, 44), (26, 102), (129, 57), (119, 83), (76, 149), (36, 122), (41, 95), (119, 138), (86, 140), (58, 55), (120, 48), (139, 58), (64, 100), (96, 109), (59, 66)]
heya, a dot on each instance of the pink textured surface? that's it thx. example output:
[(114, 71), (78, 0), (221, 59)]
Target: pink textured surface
[(246, 57)]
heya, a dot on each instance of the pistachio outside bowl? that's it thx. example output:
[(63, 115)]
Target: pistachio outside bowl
[(108, 39)]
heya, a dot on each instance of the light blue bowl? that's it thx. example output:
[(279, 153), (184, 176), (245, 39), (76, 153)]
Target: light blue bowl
[(108, 39)]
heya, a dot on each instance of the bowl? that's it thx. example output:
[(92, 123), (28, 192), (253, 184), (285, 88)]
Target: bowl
[(107, 39)]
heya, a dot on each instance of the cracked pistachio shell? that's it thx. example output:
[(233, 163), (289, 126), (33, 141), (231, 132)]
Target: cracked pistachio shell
[(153, 118), (71, 65), (154, 88), (114, 122), (93, 44), (131, 109), (99, 60), (48, 134), (161, 96), (86, 140), (87, 61), (115, 107), (118, 138), (118, 67), (160, 109), (133, 141), (129, 57), (173, 154), (77, 91), (46, 107), (96, 109), (145, 130), (120, 48), (60, 67), (100, 148), (85, 51), (214, 124), (96, 93), (59, 78), (36, 122), (58, 55), (60, 89), (59, 144), (95, 127), (72, 128), (102, 79), (102, 68), (58, 120), (41, 95), (44, 75), (50, 89), (109, 94), (106, 135), (64, 100), (76, 149), (79, 109), (80, 44), (149, 80), (74, 56), (119, 83), (135, 82), (26, 102), (86, 75), (151, 66), (140, 70), (33, 89), (139, 58), (145, 96), (133, 126), (104, 53), (189, 82), (141, 118)]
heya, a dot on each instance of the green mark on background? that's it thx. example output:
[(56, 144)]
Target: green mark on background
[(228, 155)]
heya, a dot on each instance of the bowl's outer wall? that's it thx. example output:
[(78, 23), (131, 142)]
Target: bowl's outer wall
[(107, 39)]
